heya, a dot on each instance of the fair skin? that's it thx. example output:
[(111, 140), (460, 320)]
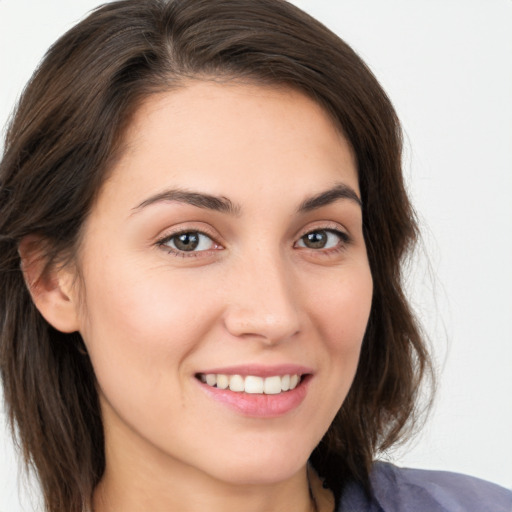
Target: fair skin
[(227, 240)]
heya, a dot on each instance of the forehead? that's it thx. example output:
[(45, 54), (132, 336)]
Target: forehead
[(214, 136)]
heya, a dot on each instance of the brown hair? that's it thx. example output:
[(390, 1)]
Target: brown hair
[(59, 147)]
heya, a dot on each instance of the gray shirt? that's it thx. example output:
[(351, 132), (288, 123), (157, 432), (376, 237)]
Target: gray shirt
[(415, 490)]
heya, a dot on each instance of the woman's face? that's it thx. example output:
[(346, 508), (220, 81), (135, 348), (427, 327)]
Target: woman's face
[(225, 249)]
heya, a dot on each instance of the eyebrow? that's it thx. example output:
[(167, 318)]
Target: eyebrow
[(224, 205), (198, 199), (340, 191)]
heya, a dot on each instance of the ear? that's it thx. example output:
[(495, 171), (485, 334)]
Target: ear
[(52, 288)]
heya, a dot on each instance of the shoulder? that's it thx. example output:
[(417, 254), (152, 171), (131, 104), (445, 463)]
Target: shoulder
[(403, 490)]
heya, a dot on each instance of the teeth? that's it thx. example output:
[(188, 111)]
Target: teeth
[(272, 385), (236, 383), (222, 381), (252, 384)]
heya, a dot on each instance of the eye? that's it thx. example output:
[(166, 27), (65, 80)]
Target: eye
[(188, 241), (322, 239)]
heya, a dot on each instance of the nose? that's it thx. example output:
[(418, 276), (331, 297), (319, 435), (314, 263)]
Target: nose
[(262, 301)]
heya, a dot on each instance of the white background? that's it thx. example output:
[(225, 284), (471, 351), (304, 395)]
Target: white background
[(447, 65)]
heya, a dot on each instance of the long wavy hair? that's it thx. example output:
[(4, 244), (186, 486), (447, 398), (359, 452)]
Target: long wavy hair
[(59, 148)]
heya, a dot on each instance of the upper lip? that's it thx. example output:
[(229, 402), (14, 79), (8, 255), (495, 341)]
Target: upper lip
[(259, 370)]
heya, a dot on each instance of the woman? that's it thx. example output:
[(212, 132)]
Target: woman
[(202, 225)]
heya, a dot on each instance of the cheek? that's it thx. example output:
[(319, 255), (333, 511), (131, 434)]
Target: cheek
[(138, 304), (137, 326), (342, 311), (342, 316)]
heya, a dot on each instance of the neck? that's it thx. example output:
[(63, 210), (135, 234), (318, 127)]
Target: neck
[(186, 493)]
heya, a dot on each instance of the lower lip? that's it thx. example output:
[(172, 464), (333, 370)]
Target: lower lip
[(260, 405)]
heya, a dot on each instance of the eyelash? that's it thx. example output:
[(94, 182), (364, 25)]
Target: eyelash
[(344, 241), (185, 254)]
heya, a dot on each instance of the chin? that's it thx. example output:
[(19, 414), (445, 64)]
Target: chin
[(249, 473), (262, 465)]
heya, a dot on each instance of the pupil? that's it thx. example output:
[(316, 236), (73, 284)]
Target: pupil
[(316, 240), (187, 241)]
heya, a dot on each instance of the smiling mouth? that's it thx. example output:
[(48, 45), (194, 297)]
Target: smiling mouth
[(252, 384)]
